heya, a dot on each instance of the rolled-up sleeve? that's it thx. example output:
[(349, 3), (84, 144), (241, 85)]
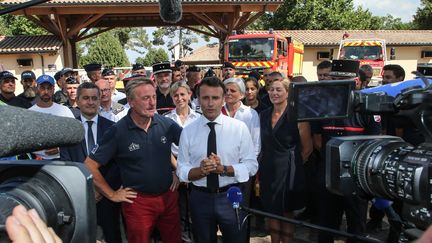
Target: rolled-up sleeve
[(248, 164), (183, 160)]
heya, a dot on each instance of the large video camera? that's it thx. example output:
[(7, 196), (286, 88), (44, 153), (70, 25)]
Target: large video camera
[(61, 192), (379, 166)]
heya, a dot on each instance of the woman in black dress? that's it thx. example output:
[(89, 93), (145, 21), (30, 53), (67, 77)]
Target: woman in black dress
[(281, 163)]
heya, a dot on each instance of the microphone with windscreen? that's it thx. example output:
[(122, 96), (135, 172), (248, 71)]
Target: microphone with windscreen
[(170, 11), (235, 196), (24, 131)]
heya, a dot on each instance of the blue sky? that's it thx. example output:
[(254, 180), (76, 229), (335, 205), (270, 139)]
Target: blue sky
[(404, 9)]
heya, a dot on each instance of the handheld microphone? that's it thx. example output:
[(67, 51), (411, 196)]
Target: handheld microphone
[(235, 196), (381, 204), (170, 11), (395, 89), (24, 131)]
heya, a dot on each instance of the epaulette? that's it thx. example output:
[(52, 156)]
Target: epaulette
[(117, 108)]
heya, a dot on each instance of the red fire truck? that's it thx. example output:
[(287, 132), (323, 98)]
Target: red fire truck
[(367, 51), (260, 51)]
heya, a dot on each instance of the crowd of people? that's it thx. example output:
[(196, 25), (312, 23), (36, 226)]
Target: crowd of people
[(164, 153)]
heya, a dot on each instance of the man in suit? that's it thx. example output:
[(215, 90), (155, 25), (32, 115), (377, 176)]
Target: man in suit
[(108, 212)]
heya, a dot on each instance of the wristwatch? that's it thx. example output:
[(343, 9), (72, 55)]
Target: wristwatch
[(225, 171)]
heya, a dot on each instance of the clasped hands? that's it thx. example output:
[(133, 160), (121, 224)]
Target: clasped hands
[(211, 164)]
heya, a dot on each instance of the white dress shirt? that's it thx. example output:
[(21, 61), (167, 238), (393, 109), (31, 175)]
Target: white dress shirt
[(251, 118), (117, 95), (94, 129), (192, 116), (234, 147)]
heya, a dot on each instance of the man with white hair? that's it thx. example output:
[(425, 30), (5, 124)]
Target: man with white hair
[(162, 77)]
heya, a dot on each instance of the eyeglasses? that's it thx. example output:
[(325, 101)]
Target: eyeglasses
[(105, 90)]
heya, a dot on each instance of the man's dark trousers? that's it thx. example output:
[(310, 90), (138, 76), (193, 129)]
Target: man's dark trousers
[(211, 210)]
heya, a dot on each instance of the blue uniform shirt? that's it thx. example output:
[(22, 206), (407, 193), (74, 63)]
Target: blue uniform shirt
[(144, 158)]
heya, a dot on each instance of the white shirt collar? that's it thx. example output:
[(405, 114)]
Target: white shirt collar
[(94, 119)]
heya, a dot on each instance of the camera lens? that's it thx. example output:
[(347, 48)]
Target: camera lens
[(393, 169), (33, 188), (372, 167)]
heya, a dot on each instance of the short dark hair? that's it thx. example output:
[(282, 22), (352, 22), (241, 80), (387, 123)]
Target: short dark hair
[(211, 82), (254, 82), (398, 71), (276, 74), (87, 85), (175, 69), (298, 79), (324, 64)]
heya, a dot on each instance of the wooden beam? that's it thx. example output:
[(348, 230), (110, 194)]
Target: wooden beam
[(83, 23), (201, 31), (47, 27), (250, 20), (211, 21), (95, 33), (242, 19), (76, 25)]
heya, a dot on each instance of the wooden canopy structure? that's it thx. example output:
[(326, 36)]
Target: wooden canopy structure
[(72, 20)]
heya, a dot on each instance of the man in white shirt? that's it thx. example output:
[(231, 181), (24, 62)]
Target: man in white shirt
[(109, 109), (45, 104), (109, 75), (213, 165)]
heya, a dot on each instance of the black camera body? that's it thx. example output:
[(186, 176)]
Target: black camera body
[(61, 192), (376, 166), (383, 167)]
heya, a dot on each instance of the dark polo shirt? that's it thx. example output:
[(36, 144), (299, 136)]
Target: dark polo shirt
[(144, 158), (163, 103), (16, 101)]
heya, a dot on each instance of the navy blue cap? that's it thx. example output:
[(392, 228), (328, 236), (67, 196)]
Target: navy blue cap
[(107, 72), (28, 74), (228, 65), (163, 67), (57, 75), (71, 80), (178, 63), (92, 67), (6, 74), (137, 66), (45, 79), (66, 70)]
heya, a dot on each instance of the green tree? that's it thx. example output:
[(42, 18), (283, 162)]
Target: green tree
[(105, 49), (391, 23), (184, 36), (320, 14), (19, 25), (423, 16), (153, 56)]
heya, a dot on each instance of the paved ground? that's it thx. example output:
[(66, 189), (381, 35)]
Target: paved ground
[(306, 235)]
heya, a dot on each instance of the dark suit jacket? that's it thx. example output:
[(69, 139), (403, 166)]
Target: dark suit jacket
[(78, 153)]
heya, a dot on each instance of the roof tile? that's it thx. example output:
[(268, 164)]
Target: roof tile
[(333, 37), (25, 44), (97, 2)]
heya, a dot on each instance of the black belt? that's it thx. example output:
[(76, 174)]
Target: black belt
[(209, 190)]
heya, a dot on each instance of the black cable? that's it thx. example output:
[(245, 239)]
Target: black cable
[(312, 226), (22, 6)]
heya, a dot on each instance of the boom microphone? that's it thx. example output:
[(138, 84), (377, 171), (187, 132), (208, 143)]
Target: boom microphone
[(170, 11), (24, 131)]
